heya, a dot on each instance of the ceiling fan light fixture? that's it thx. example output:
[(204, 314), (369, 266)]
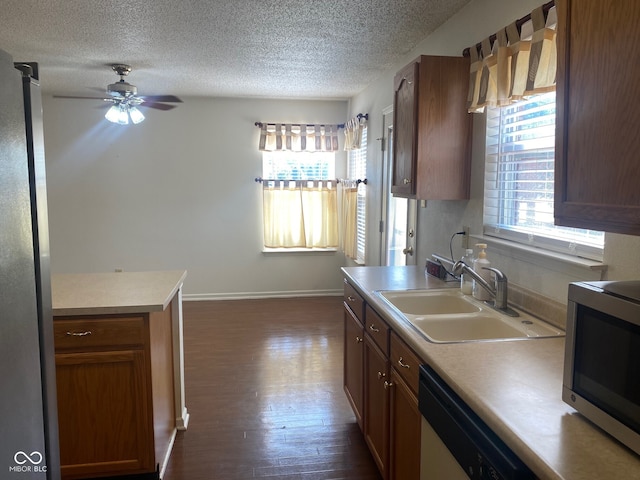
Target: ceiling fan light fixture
[(122, 113), (136, 115), (112, 114)]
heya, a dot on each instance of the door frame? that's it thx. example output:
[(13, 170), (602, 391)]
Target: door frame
[(387, 178)]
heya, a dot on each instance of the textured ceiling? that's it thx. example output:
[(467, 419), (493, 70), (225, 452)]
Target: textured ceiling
[(239, 48)]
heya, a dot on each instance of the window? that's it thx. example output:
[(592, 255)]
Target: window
[(519, 180), (299, 200), (357, 169), (287, 165)]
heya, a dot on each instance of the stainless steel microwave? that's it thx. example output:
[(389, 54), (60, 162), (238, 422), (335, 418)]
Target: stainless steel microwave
[(602, 357)]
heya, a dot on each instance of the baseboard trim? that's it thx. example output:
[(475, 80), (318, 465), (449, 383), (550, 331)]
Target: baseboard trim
[(165, 461), (197, 297)]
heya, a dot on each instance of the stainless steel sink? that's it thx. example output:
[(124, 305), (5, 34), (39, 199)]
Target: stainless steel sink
[(449, 316)]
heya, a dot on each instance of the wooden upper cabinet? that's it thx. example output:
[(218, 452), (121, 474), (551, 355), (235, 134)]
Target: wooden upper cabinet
[(432, 129), (597, 141), (405, 110)]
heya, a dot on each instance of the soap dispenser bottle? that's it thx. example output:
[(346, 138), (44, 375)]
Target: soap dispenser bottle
[(466, 280), (479, 265)]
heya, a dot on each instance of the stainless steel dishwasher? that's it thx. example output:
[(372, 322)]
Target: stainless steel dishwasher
[(456, 443)]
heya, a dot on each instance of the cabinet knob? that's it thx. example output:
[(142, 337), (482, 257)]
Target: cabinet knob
[(387, 385), (406, 181), (402, 364), (381, 375), (373, 328), (351, 299), (358, 340)]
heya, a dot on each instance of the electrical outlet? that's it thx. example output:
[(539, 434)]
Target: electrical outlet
[(465, 237)]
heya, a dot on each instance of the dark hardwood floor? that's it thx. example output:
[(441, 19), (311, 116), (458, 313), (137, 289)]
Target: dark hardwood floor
[(264, 394)]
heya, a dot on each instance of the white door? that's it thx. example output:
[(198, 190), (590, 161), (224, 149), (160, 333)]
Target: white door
[(399, 225)]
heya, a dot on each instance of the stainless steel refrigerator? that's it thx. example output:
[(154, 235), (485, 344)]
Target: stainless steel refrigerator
[(28, 412)]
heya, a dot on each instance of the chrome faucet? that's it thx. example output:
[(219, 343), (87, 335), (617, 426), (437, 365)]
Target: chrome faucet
[(498, 291)]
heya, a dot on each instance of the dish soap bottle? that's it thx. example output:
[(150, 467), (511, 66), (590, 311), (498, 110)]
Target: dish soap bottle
[(481, 262), (466, 280)]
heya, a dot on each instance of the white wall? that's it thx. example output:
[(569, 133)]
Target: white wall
[(175, 192), (440, 219)]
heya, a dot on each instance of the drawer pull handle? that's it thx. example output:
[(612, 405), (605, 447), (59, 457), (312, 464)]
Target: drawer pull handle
[(402, 364), (358, 340), (351, 299), (387, 384), (79, 334), (373, 328), (381, 375)]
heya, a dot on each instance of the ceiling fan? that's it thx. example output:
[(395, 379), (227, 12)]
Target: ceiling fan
[(125, 99)]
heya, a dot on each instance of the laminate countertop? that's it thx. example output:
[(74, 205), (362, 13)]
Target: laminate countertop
[(514, 386), (114, 292)]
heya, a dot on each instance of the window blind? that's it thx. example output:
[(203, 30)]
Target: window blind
[(287, 165), (357, 169), (519, 180)]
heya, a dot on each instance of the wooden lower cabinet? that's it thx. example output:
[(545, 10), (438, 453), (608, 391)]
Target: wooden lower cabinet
[(114, 376), (376, 404), (387, 370), (354, 363), (404, 421), (103, 404)]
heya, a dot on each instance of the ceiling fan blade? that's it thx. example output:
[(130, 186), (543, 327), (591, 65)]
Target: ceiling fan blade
[(77, 96), (160, 98), (158, 106)]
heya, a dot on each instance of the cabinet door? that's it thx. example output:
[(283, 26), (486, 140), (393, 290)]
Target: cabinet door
[(404, 424), (597, 141), (104, 415), (354, 363), (405, 114), (376, 404)]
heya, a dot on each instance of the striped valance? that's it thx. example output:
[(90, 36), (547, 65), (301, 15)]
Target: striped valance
[(517, 62), (298, 138)]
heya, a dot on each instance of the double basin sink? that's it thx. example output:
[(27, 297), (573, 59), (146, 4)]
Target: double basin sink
[(449, 316)]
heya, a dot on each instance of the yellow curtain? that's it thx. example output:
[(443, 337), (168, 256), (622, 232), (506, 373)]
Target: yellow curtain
[(300, 214), (348, 191), (519, 63)]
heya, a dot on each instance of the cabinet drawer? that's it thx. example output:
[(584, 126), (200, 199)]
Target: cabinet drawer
[(354, 300), (405, 362), (82, 333), (377, 329)]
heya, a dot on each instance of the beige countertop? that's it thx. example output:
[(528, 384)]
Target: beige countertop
[(114, 292), (514, 386)]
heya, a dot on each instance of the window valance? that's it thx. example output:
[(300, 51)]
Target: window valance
[(353, 132), (298, 138), (515, 63)]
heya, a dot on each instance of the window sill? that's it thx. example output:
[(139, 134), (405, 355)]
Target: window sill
[(298, 250), (548, 259)]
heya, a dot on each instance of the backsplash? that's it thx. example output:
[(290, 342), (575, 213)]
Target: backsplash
[(538, 305)]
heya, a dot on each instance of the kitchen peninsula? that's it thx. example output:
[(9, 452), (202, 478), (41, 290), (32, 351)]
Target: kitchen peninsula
[(513, 386), (119, 368)]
